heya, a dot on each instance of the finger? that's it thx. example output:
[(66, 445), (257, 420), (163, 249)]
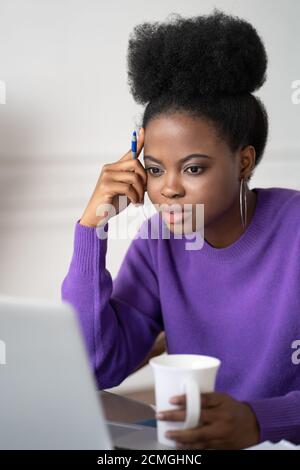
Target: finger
[(203, 433), (178, 399), (192, 445), (131, 178), (201, 445), (140, 144), (207, 399), (171, 415), (212, 399), (207, 415), (140, 141), (132, 165), (119, 188)]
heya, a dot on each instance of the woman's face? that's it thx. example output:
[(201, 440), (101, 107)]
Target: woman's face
[(212, 180)]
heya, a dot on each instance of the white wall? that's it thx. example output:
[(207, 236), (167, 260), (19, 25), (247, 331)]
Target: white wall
[(68, 111)]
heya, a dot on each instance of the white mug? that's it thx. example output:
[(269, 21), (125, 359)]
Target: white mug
[(178, 374)]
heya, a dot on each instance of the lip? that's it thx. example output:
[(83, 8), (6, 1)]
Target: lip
[(174, 209), (175, 217)]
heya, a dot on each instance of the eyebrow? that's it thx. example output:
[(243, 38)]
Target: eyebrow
[(181, 160)]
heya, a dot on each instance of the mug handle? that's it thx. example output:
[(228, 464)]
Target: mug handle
[(193, 403)]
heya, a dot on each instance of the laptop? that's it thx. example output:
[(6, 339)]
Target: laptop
[(49, 398)]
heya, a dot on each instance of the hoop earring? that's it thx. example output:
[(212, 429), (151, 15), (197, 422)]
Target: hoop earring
[(243, 207)]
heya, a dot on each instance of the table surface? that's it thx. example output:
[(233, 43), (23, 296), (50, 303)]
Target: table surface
[(119, 408), (127, 410)]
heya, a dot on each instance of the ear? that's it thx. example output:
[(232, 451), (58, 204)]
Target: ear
[(247, 161)]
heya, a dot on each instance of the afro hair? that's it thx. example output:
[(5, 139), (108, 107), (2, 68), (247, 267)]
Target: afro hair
[(203, 55)]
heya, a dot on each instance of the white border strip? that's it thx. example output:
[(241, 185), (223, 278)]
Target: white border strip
[(2, 92)]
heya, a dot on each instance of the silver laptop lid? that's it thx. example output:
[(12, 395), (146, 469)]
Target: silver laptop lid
[(48, 397)]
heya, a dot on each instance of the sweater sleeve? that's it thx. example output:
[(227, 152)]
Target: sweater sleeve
[(278, 417), (119, 319)]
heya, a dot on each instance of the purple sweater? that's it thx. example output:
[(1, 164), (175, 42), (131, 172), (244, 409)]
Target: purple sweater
[(240, 303)]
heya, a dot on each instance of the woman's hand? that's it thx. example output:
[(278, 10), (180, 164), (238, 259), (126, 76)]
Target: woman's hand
[(126, 177), (226, 423)]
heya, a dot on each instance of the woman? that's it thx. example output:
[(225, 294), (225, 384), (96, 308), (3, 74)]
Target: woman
[(203, 134)]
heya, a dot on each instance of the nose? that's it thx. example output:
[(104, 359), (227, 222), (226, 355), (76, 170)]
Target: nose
[(172, 189)]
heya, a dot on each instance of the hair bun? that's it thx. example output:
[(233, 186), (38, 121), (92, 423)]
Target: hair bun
[(203, 55)]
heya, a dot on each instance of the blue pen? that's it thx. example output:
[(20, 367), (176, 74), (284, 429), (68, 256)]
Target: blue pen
[(134, 156), (133, 145)]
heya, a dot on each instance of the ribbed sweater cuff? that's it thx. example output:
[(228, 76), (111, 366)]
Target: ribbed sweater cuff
[(89, 244), (278, 418)]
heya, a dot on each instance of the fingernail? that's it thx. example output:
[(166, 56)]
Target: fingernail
[(159, 416), (174, 400), (180, 446), (138, 204)]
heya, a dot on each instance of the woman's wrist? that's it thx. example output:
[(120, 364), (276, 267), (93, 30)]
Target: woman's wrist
[(86, 223)]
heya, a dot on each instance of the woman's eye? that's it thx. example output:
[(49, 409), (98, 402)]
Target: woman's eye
[(152, 168), (195, 167)]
